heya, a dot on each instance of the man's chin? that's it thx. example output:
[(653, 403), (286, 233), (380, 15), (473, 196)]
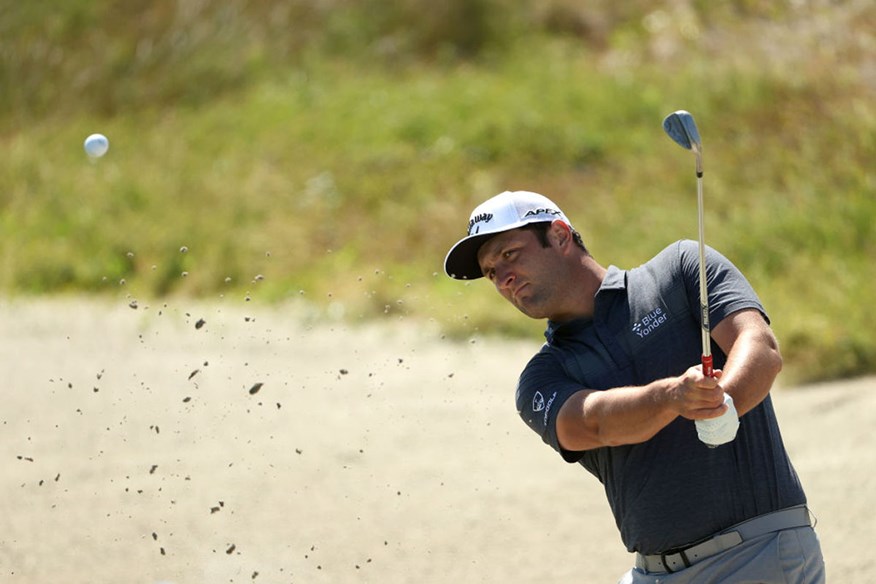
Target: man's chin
[(530, 310)]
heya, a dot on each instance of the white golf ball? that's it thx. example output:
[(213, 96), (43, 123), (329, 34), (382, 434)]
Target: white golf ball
[(96, 145)]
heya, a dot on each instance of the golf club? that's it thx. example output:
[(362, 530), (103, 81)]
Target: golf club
[(680, 126)]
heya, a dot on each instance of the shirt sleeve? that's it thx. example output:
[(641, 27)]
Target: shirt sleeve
[(729, 290), (542, 390)]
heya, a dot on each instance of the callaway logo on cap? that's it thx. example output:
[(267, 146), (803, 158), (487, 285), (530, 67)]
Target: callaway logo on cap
[(505, 211)]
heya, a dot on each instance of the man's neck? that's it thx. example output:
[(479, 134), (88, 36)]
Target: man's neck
[(582, 291)]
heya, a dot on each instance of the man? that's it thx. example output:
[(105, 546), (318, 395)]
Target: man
[(616, 389)]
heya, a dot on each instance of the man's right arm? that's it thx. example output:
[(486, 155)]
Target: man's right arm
[(630, 415)]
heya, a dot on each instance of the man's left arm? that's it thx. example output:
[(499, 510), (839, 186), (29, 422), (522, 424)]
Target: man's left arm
[(753, 358)]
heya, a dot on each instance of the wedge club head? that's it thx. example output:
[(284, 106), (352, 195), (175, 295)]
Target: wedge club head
[(682, 128)]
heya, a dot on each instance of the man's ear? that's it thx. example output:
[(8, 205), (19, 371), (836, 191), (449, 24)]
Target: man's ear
[(559, 234)]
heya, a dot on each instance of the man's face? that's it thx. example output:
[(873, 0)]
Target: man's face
[(523, 271)]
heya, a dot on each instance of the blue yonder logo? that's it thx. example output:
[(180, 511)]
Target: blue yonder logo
[(649, 323)]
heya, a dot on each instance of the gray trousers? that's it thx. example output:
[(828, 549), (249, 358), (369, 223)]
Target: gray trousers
[(792, 556)]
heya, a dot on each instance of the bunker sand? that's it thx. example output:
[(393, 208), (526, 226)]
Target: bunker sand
[(206, 443)]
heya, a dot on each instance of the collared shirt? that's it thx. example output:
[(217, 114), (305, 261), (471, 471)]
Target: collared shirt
[(672, 489)]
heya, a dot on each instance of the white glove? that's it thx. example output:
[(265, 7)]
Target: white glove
[(721, 430)]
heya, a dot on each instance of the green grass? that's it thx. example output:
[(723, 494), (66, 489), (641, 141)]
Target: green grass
[(337, 162)]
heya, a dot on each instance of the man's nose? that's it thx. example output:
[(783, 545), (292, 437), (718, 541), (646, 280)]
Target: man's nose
[(504, 278)]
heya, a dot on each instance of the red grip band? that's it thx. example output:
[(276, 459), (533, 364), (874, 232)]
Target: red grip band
[(708, 370)]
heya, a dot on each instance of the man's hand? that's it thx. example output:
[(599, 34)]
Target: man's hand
[(698, 397)]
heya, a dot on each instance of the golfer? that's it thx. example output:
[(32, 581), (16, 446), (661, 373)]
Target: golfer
[(617, 389)]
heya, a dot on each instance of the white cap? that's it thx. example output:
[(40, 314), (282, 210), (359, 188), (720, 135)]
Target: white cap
[(505, 211)]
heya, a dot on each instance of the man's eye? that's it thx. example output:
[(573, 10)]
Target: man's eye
[(508, 254)]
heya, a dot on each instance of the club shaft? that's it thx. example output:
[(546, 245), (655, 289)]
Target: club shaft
[(704, 292)]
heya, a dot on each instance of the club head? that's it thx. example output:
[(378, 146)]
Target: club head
[(682, 128)]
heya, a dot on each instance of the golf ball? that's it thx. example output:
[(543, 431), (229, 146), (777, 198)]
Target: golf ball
[(96, 145)]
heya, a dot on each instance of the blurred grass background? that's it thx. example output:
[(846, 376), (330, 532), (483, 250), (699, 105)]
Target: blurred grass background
[(328, 152)]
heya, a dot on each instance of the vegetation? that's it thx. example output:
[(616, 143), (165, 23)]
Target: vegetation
[(330, 152)]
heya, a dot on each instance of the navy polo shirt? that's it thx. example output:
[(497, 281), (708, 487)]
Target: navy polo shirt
[(671, 490)]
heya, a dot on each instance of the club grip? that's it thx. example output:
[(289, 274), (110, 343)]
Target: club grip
[(708, 369)]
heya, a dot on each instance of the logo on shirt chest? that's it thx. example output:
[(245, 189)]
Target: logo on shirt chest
[(650, 322)]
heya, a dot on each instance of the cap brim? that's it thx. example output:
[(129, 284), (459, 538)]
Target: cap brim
[(461, 262)]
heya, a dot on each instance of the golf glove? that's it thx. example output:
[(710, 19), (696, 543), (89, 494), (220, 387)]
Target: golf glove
[(721, 430)]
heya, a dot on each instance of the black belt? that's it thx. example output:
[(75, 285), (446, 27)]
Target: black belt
[(678, 559)]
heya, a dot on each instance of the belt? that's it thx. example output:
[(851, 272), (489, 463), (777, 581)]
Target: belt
[(678, 559)]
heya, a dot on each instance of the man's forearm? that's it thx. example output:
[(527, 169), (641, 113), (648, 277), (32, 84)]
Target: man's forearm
[(751, 369), (753, 359), (629, 415)]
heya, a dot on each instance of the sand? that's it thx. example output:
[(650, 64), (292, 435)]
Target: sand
[(195, 443)]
